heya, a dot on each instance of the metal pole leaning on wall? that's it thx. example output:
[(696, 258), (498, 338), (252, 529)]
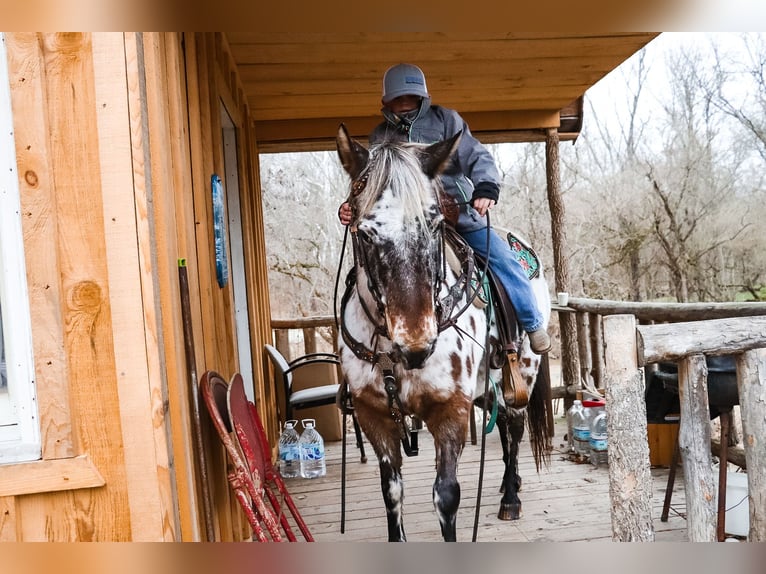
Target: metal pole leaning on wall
[(630, 479), (191, 366)]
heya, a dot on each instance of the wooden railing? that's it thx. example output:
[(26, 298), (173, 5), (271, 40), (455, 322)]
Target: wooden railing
[(628, 347), (312, 339), (589, 315)]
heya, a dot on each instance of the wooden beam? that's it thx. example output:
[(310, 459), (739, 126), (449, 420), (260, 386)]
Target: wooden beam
[(668, 311), (322, 131), (672, 341), (49, 476)]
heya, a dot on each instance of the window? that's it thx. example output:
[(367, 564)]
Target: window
[(19, 425)]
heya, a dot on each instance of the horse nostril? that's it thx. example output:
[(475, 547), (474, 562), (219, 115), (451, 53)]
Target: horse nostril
[(414, 358)]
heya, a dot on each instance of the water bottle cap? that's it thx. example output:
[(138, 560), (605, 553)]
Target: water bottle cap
[(577, 402), (591, 404), (308, 423), (290, 424)]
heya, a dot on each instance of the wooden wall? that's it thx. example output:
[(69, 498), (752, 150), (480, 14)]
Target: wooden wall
[(117, 136)]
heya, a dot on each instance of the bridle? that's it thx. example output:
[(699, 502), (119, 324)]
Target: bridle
[(444, 307)]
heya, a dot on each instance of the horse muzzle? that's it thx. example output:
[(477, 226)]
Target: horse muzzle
[(413, 357)]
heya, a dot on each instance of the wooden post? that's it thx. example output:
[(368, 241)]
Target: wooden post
[(282, 342), (309, 340), (694, 442), (751, 383), (597, 349), (583, 347), (630, 481), (569, 362)]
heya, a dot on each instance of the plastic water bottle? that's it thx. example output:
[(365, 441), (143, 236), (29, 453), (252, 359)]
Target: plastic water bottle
[(289, 451), (312, 451), (598, 440), (581, 430), (576, 406)]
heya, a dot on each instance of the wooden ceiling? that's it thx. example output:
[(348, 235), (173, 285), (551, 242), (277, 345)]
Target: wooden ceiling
[(508, 86)]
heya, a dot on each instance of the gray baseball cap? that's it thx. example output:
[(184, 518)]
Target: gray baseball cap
[(403, 80)]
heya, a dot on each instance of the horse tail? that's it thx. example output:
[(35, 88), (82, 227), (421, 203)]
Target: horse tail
[(537, 417)]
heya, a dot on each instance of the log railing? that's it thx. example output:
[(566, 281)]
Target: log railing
[(628, 348), (589, 315), (312, 340)]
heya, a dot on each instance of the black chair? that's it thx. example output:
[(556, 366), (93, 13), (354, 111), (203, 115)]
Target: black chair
[(723, 395)]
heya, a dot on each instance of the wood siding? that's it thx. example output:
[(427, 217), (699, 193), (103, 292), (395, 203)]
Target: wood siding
[(117, 137)]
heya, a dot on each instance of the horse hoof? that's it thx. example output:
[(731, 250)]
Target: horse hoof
[(509, 511), (502, 487)]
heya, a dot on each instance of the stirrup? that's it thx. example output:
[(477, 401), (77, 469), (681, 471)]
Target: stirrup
[(515, 392)]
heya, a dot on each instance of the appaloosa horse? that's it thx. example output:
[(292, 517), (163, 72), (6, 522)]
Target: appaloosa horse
[(412, 342)]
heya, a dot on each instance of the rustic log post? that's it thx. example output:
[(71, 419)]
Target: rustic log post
[(597, 349), (583, 348), (309, 340), (630, 481), (569, 363), (751, 383), (282, 342), (694, 442)]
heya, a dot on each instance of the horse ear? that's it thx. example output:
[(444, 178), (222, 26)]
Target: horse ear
[(436, 156), (353, 155)]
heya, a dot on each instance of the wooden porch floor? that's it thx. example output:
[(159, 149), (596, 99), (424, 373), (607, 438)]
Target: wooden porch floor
[(566, 502)]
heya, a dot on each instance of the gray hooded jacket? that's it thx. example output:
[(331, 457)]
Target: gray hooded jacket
[(471, 174)]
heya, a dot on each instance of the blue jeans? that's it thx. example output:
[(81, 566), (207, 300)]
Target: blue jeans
[(510, 273)]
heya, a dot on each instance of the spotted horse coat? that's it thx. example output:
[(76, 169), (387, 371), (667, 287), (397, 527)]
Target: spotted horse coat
[(395, 320)]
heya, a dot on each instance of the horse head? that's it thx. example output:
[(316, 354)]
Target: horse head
[(397, 235)]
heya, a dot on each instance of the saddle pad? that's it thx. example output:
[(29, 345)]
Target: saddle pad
[(524, 254)]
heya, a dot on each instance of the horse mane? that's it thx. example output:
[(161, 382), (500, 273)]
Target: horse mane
[(396, 166)]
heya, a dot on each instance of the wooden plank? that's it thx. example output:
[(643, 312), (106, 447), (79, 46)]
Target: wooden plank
[(214, 330), (256, 38), (88, 340), (224, 324), (442, 49), (694, 442), (629, 477), (49, 476), (163, 75), (751, 384), (553, 509), (353, 104), (173, 242), (8, 519), (40, 225), (127, 240), (453, 80), (597, 348), (361, 126), (669, 342)]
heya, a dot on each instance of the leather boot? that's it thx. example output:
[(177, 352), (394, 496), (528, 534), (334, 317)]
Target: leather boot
[(540, 341)]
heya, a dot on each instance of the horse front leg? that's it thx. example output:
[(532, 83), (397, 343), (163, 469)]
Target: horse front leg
[(383, 434), (449, 437), (510, 504)]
